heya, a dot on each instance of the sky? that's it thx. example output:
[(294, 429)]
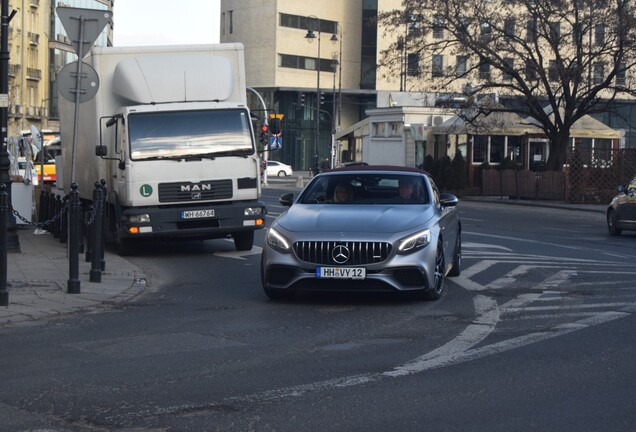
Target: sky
[(166, 22)]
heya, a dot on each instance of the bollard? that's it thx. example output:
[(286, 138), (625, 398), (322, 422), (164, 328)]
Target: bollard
[(102, 246), (299, 182), (64, 220), (86, 232), (57, 208), (96, 234), (4, 215), (51, 211), (73, 285), (43, 205)]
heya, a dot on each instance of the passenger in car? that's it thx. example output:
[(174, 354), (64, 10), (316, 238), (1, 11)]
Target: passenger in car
[(407, 189), (343, 193)]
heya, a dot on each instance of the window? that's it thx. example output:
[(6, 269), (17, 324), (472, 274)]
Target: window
[(395, 129), (306, 23), (485, 31), (231, 23), (480, 148), (553, 72), (461, 65), (577, 34), (413, 64), (300, 62), (555, 32), (531, 70), (508, 63), (437, 66), (497, 148), (599, 73), (379, 129), (599, 34), (531, 30), (620, 75), (509, 27), (484, 70), (514, 149), (438, 29)]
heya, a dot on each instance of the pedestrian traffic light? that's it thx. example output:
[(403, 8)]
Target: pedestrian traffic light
[(264, 138), (301, 99)]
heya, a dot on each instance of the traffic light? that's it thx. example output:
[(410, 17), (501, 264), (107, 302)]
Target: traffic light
[(301, 99), (264, 138), (275, 127), (322, 98)]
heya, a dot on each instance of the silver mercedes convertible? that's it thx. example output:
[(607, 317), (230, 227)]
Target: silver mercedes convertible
[(364, 228)]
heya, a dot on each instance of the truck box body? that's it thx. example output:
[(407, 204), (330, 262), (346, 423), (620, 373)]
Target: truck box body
[(180, 144)]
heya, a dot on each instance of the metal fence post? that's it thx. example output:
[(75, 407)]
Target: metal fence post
[(73, 285), (96, 231), (4, 215)]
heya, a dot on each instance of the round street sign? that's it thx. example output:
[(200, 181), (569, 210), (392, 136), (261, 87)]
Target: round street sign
[(67, 82)]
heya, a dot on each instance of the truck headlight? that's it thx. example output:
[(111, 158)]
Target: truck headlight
[(140, 218), (277, 241), (253, 211), (414, 241)]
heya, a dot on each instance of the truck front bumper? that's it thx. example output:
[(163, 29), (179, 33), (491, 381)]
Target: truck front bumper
[(209, 220)]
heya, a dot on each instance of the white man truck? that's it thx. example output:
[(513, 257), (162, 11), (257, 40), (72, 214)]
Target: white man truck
[(170, 131)]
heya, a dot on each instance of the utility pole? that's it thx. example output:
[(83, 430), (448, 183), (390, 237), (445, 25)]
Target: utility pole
[(12, 240)]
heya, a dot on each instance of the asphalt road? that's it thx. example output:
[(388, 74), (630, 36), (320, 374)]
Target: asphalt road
[(536, 334)]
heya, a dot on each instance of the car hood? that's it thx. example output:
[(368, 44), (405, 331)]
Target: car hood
[(355, 218)]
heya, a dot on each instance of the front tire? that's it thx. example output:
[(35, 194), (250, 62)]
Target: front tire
[(437, 290), (612, 223), (457, 258), (243, 240)]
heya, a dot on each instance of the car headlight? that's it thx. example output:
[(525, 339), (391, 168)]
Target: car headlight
[(277, 241), (414, 241)]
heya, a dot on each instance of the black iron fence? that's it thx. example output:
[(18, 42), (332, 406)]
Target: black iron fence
[(587, 178)]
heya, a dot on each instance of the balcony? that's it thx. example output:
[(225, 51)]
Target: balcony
[(14, 69), (34, 38), (33, 112), (34, 74), (15, 110)]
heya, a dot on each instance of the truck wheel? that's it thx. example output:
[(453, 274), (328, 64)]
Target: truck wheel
[(244, 240), (123, 246)]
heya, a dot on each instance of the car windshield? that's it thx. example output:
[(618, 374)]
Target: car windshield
[(176, 134), (366, 188)]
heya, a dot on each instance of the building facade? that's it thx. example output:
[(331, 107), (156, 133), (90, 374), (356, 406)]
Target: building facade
[(292, 72), (39, 48)]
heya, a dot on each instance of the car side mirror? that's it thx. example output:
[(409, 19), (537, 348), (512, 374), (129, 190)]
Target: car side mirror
[(448, 200), (286, 200)]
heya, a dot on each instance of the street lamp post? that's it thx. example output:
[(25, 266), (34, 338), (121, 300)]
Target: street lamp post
[(310, 36), (337, 37)]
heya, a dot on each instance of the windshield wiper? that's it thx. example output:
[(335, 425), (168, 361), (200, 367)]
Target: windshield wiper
[(174, 158), (212, 155)]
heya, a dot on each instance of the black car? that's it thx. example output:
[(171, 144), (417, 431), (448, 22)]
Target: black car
[(621, 213)]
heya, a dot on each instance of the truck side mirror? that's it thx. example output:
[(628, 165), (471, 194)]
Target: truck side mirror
[(101, 150)]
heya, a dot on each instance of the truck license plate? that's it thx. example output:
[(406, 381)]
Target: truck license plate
[(197, 214), (341, 272)]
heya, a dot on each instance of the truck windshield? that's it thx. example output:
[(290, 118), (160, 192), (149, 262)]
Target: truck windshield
[(178, 134)]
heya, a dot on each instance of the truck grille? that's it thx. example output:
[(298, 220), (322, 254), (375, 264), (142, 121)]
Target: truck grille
[(200, 191), (360, 253)]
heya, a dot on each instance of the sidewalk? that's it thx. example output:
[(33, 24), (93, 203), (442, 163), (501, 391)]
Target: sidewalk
[(38, 277)]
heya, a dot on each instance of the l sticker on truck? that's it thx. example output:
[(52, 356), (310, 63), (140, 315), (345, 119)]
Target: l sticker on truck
[(145, 190)]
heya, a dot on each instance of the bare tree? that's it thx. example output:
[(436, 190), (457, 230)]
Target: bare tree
[(573, 57)]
